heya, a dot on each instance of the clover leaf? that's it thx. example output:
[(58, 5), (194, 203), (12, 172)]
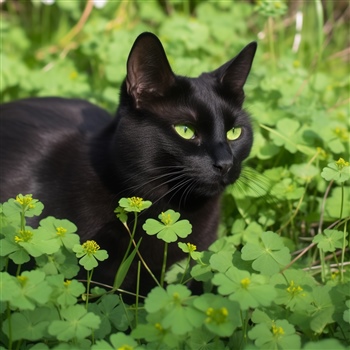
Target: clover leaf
[(221, 316), (76, 322), (329, 241), (90, 254), (250, 291), (338, 171), (111, 312), (34, 290), (169, 228), (118, 341), (65, 292), (269, 256), (173, 309), (134, 204), (61, 231), (190, 249), (31, 324), (280, 335)]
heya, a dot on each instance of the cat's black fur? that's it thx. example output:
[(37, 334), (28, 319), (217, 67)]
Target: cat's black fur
[(79, 161)]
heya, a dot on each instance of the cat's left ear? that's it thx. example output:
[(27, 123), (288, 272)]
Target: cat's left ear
[(149, 73), (234, 73)]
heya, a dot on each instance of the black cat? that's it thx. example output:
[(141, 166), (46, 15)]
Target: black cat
[(176, 141)]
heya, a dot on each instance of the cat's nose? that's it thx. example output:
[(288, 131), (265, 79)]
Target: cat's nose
[(223, 166)]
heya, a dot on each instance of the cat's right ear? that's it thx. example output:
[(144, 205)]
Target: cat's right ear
[(148, 70)]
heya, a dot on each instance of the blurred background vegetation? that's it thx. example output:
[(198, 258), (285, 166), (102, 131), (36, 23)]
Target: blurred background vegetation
[(298, 91), (79, 48)]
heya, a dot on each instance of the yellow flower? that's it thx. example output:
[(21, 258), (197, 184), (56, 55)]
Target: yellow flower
[(60, 231), (191, 247), (217, 316), (135, 202), (24, 236), (277, 331), (341, 163), (25, 200), (245, 282), (90, 247), (166, 219), (294, 289)]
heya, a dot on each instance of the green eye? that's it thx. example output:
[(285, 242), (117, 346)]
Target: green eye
[(234, 134), (185, 131)]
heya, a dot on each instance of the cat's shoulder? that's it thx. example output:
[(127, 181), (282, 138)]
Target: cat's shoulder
[(54, 112)]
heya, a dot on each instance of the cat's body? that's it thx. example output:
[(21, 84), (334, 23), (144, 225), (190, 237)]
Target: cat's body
[(79, 161)]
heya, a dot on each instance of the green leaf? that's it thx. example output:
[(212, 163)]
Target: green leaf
[(250, 291), (31, 325), (330, 240), (284, 134), (338, 171), (60, 231), (220, 316), (294, 289), (281, 335), (67, 292), (168, 228), (118, 341), (124, 268), (269, 256), (76, 323), (134, 204), (34, 290)]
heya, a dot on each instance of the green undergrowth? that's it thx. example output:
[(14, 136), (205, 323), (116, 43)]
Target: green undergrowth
[(254, 297), (278, 275)]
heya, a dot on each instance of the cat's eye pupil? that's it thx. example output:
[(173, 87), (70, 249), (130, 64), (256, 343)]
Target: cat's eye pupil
[(185, 131), (234, 134)]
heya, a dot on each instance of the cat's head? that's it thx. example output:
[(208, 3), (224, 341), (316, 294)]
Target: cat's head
[(185, 136)]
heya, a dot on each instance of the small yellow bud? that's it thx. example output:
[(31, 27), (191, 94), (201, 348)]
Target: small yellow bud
[(245, 282), (90, 247)]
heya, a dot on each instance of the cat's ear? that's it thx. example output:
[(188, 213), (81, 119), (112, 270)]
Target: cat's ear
[(148, 70), (234, 73)]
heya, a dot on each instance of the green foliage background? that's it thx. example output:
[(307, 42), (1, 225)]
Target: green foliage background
[(289, 211)]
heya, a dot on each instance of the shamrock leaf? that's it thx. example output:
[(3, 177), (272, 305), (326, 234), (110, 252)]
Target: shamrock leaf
[(338, 171), (269, 256), (190, 249), (66, 293), (134, 204), (168, 228), (284, 135), (33, 290), (119, 341), (90, 253), (280, 335), (329, 241), (172, 306), (250, 291), (221, 316), (25, 205), (293, 288), (76, 323), (60, 231), (31, 324), (111, 312)]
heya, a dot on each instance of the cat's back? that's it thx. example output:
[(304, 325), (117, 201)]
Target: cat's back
[(49, 113), (32, 130)]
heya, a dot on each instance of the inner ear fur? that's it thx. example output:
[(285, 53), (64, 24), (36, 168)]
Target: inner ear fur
[(148, 69)]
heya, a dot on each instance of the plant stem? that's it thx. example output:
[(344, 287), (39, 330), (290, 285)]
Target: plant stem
[(9, 325), (137, 293), (186, 268), (343, 254), (164, 264), (89, 278)]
